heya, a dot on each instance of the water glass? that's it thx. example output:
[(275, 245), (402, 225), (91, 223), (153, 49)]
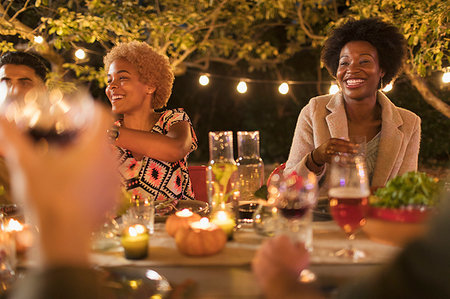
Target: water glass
[(7, 257), (141, 212)]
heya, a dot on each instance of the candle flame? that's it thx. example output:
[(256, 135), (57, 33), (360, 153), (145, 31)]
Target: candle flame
[(202, 224), (14, 225), (184, 213), (222, 215), (136, 229)]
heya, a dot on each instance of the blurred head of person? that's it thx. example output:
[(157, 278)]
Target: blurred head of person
[(20, 72), (138, 77)]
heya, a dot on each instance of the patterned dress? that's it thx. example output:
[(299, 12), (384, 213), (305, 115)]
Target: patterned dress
[(157, 179)]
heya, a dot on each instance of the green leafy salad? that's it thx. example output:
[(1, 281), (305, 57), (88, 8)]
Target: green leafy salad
[(410, 189)]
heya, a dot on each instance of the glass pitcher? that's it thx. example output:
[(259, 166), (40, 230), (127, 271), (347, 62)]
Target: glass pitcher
[(250, 173), (221, 173)]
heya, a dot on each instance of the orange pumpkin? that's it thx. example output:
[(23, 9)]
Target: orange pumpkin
[(180, 219), (200, 242)]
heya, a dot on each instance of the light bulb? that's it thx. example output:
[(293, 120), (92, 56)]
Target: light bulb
[(80, 54), (203, 80), (242, 87), (388, 87), (38, 39), (283, 88), (446, 77), (333, 89)]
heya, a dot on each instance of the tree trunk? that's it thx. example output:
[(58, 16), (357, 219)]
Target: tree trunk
[(422, 87)]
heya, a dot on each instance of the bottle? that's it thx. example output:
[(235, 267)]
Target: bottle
[(221, 172), (250, 173)]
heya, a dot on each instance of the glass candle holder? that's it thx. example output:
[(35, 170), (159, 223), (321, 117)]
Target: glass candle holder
[(224, 218), (135, 241)]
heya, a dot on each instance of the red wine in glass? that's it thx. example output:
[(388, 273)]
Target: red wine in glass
[(52, 136), (294, 213)]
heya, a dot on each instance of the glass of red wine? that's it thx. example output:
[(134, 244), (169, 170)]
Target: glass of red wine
[(348, 194), (54, 116), (295, 197)]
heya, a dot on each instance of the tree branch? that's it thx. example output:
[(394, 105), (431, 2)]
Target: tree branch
[(421, 86), (303, 24)]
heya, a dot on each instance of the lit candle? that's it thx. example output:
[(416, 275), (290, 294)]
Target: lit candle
[(179, 220), (135, 242), (203, 224), (21, 233), (225, 222)]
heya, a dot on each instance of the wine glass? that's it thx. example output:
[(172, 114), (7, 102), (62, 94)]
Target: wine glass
[(348, 194), (294, 197), (55, 115)]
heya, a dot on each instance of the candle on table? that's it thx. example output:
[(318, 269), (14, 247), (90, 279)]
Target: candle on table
[(135, 241), (179, 220), (21, 233), (225, 222)]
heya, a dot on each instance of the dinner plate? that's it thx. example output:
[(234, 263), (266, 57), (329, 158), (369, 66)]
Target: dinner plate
[(136, 282), (196, 206)]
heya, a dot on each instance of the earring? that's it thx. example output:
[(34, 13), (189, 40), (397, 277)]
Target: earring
[(381, 83)]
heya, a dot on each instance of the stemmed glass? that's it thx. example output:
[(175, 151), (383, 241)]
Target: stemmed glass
[(294, 197), (348, 193)]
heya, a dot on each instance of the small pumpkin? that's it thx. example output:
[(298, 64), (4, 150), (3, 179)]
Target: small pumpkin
[(196, 241), (180, 219)]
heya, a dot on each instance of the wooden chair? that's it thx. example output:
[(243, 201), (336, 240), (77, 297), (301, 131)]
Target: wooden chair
[(198, 181)]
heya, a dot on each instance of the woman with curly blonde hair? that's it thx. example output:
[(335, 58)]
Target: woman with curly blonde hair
[(153, 143)]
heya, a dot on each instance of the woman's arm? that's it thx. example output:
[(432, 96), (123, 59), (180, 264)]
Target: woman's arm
[(171, 147)]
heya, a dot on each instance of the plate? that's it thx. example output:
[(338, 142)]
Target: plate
[(135, 282), (196, 206)]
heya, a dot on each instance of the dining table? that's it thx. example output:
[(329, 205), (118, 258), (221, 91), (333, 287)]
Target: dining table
[(228, 274)]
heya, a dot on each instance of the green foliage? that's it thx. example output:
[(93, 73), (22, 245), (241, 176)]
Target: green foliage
[(424, 24), (409, 189)]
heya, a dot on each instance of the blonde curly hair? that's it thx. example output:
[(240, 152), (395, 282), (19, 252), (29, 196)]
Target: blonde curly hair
[(154, 69)]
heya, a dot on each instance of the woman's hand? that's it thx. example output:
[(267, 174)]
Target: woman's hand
[(332, 147)]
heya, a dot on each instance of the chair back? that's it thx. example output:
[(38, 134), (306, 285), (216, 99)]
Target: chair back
[(277, 170), (198, 181)]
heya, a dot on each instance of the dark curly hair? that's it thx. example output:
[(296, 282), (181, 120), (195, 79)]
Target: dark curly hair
[(385, 37), (40, 65)]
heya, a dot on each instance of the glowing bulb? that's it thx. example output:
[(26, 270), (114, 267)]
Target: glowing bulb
[(388, 87), (38, 39), (80, 54), (242, 87), (203, 80), (283, 88), (333, 89), (446, 77)]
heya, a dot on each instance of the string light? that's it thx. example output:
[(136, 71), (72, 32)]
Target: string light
[(446, 75), (388, 87), (203, 80), (241, 87), (334, 88), (80, 54), (283, 88), (38, 39)]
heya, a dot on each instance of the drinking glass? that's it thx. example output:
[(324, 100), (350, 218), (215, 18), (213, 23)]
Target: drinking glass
[(142, 211), (7, 257), (54, 115), (294, 197), (348, 194)]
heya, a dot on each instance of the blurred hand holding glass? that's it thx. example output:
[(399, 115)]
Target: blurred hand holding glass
[(348, 193)]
